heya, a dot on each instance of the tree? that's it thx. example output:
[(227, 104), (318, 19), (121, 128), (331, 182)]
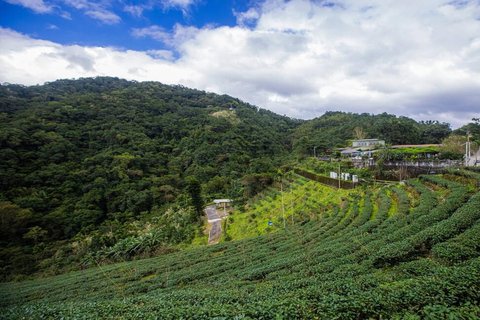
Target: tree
[(254, 183), (472, 129), (359, 134), (453, 147), (13, 220), (36, 234), (394, 130), (194, 189), (433, 132)]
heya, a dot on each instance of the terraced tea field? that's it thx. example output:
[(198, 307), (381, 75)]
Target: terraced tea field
[(403, 252)]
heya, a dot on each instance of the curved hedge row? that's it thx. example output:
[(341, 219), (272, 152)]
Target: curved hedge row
[(422, 262)]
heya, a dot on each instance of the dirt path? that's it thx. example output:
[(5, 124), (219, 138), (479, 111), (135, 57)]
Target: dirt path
[(216, 221)]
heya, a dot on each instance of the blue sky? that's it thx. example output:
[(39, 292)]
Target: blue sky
[(299, 58), (75, 22)]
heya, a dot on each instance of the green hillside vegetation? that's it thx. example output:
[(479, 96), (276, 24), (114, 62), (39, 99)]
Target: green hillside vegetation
[(335, 129), (399, 252), (104, 181), (300, 204), (102, 166), (90, 164)]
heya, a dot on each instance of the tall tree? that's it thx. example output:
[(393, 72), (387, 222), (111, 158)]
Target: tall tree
[(359, 134), (453, 147), (194, 189), (434, 132)]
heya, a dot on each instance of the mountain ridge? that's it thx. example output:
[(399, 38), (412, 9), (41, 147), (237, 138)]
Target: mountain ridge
[(92, 163)]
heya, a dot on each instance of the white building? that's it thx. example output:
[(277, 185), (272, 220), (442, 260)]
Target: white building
[(367, 143)]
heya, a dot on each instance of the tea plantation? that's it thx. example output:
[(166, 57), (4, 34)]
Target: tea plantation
[(396, 252)]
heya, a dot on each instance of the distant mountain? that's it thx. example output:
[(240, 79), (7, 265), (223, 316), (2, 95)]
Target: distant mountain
[(334, 129)]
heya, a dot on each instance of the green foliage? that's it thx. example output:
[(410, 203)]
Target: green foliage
[(433, 132), (104, 170), (394, 130), (472, 128), (194, 189), (336, 129), (326, 268), (78, 155)]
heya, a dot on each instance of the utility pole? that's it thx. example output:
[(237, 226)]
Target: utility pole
[(315, 152), (467, 149), (283, 207), (339, 174), (291, 202)]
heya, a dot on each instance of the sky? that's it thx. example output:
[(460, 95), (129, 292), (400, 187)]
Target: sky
[(300, 58)]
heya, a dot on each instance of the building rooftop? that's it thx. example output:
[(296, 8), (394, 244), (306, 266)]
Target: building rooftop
[(415, 145), (222, 201)]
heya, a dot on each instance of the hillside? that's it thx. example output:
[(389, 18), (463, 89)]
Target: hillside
[(334, 129), (402, 252), (107, 170), (87, 163)]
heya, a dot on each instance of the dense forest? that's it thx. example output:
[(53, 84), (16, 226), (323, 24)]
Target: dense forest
[(91, 156), (88, 164), (335, 129)]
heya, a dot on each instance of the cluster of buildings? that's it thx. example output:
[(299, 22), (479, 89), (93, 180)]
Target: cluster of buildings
[(367, 147)]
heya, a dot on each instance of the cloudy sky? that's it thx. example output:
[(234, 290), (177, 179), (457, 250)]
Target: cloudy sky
[(417, 58)]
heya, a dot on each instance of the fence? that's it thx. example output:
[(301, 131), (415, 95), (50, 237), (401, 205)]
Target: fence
[(360, 163), (336, 183)]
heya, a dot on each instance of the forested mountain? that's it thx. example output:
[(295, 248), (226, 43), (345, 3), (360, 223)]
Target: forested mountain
[(92, 156), (334, 129), (86, 164)]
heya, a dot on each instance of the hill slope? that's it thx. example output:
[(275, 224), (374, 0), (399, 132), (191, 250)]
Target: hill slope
[(394, 252), (334, 129), (98, 159)]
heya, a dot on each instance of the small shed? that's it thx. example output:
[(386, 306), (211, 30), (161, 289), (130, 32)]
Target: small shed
[(225, 202)]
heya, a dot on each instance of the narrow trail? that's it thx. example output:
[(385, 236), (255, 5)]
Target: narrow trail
[(216, 221)]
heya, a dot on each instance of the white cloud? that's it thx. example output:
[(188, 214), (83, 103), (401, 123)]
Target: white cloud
[(30, 61), (95, 10), (36, 5), (65, 14), (78, 4), (174, 39), (247, 18), (77, 57), (104, 16), (183, 4), (135, 11), (156, 32), (414, 58), (161, 54)]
